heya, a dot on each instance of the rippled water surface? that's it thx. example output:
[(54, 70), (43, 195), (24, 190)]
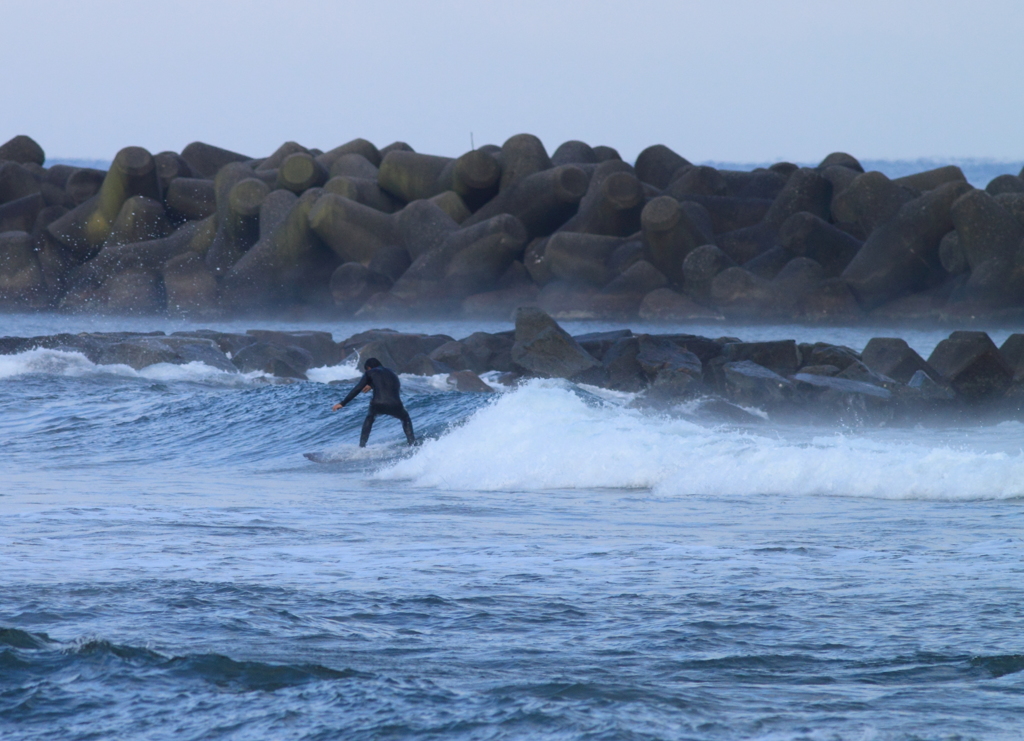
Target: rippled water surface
[(550, 563)]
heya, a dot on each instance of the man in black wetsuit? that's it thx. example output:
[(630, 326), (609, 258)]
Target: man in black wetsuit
[(386, 386)]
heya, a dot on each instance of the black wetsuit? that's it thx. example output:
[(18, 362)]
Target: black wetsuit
[(386, 400)]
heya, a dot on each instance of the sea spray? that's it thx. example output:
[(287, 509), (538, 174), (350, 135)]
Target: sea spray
[(548, 436)]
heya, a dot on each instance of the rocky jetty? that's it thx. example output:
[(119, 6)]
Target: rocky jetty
[(887, 382), (371, 232)]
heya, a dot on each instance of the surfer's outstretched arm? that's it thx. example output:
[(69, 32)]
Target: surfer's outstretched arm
[(362, 385)]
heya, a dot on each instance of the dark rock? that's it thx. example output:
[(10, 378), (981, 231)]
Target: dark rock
[(522, 155), (598, 343), (972, 365), (670, 235), (20, 214), (206, 160), (700, 269), (356, 147), (467, 381), (350, 165), (543, 348), (657, 164), (746, 382), (640, 278), (321, 347), (191, 198), (299, 172), (423, 365), (951, 254), (1012, 351), (700, 181), (16, 182), (670, 370), (779, 356), (664, 304), (22, 149), (820, 370), (580, 258), (411, 176), (21, 277), (452, 204), (823, 354), (727, 214), (239, 197), (894, 358), (364, 191), (869, 201), (83, 184), (266, 357), (857, 371), (984, 228), (757, 183), (797, 279), (737, 292), (932, 179), (805, 235), (543, 201), (769, 263), (929, 389), (901, 256), (1005, 184), (283, 152), (843, 160), (353, 283), (613, 202), (603, 154), (189, 286)]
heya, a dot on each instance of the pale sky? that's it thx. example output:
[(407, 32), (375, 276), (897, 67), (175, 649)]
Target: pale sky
[(736, 80)]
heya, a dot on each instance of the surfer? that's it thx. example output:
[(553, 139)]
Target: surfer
[(386, 399)]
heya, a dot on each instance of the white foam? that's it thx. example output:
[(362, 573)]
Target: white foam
[(544, 437), (74, 364)]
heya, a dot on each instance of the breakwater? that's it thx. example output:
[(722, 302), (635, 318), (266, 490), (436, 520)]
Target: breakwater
[(723, 378), (377, 233)]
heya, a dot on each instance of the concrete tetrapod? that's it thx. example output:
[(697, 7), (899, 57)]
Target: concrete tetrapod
[(543, 201), (239, 200)]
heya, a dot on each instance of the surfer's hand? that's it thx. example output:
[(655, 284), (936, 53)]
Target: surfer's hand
[(366, 388), (337, 406)]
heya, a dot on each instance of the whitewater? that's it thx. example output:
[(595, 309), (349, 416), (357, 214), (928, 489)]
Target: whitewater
[(554, 561)]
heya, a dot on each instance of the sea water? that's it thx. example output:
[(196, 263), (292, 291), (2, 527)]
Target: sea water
[(553, 561)]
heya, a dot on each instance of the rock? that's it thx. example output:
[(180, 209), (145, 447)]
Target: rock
[(639, 279), (580, 258), (356, 147), (140, 219), (1012, 351), (780, 356), (669, 236), (699, 180), (805, 235), (1005, 184), (820, 370), (275, 160), (841, 159), (499, 304), (670, 370), (613, 203), (598, 343), (929, 389), (972, 365), (266, 357), (452, 204), (206, 160), (20, 214), (468, 382), (396, 349), (769, 263), (350, 164), (474, 178), (737, 292), (299, 172), (480, 352), (951, 254), (841, 396), (869, 201), (422, 227), (700, 269), (543, 348), (522, 155), (364, 191), (83, 184), (189, 286), (423, 365), (823, 354), (321, 347), (857, 371), (239, 197), (746, 382), (894, 358), (21, 277), (353, 283), (657, 164), (901, 256), (191, 198), (932, 179), (543, 201), (22, 149), (984, 228), (411, 176), (664, 304), (16, 182), (797, 279), (727, 213)]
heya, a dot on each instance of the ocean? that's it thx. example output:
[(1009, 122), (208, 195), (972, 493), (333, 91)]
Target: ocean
[(553, 562)]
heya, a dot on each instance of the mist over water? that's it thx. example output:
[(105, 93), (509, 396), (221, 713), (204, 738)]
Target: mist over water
[(552, 562)]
